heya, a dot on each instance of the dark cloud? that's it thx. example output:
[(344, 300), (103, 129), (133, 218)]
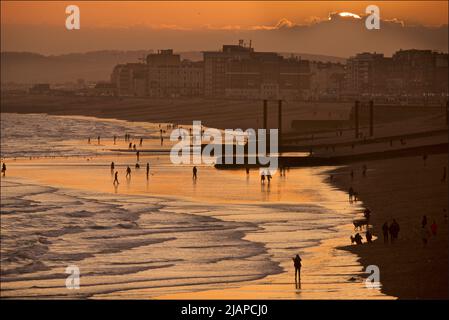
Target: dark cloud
[(339, 36)]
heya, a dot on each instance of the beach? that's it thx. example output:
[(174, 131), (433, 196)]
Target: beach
[(393, 190), (166, 236), (222, 236)]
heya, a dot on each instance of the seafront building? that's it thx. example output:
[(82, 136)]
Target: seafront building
[(240, 72)]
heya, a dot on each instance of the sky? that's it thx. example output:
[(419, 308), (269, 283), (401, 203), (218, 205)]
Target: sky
[(39, 26)]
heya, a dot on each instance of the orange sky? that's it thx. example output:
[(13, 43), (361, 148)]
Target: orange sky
[(192, 15)]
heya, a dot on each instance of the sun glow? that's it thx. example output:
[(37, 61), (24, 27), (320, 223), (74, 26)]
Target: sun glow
[(349, 14)]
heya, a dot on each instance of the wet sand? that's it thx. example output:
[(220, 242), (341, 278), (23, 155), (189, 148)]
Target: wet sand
[(404, 189), (328, 273), (233, 197)]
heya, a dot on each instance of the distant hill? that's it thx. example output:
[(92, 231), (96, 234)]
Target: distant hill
[(27, 67)]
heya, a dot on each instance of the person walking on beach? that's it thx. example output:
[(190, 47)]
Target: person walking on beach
[(424, 158), (138, 155), (148, 169), (128, 172), (88, 140), (262, 178), (424, 221), (394, 231), (130, 145), (194, 170), (112, 166), (297, 264), (434, 228), (351, 194), (268, 177), (369, 236), (385, 230), (4, 169), (367, 213), (115, 139), (424, 235), (98, 138), (365, 168), (116, 178)]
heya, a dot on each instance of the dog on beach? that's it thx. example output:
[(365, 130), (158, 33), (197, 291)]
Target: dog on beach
[(359, 223)]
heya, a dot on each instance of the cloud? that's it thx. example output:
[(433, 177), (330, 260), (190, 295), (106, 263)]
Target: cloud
[(339, 36)]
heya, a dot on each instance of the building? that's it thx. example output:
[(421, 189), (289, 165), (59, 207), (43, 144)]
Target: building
[(215, 64), (239, 72), (40, 88), (366, 73), (129, 79), (168, 76), (327, 80), (104, 89), (162, 75), (411, 73), (420, 71)]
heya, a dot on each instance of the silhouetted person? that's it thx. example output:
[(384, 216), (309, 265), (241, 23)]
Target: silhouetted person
[(130, 145), (365, 168), (351, 194), (138, 155), (424, 221), (134, 147), (148, 168), (98, 138), (369, 236), (128, 172), (4, 169), (88, 140), (356, 239), (352, 174), (112, 166), (141, 141), (269, 177), (424, 235), (367, 213), (262, 178), (394, 231), (443, 178), (434, 228), (385, 230), (137, 166), (115, 139), (297, 265), (116, 178), (247, 170), (424, 158), (194, 171)]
